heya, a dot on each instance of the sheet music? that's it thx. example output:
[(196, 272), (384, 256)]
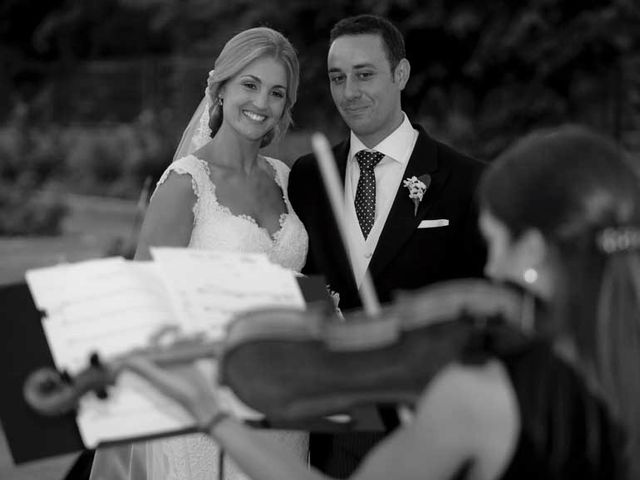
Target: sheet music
[(142, 411), (111, 306), (208, 287), (133, 410)]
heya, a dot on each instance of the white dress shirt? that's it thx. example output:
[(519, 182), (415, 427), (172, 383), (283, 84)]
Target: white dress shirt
[(397, 148)]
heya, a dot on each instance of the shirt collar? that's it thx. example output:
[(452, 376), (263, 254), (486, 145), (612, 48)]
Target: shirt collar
[(394, 146)]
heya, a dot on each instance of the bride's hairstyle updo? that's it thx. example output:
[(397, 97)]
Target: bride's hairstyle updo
[(239, 52)]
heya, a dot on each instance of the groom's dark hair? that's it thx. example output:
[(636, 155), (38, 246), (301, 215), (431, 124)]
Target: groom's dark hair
[(372, 24)]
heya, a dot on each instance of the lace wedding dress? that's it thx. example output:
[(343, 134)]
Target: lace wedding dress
[(216, 227), (196, 456)]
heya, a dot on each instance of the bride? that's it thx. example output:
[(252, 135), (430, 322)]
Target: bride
[(221, 193)]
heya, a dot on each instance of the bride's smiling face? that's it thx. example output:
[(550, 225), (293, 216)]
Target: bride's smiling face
[(254, 100)]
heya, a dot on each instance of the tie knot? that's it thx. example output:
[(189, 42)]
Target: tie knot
[(368, 160)]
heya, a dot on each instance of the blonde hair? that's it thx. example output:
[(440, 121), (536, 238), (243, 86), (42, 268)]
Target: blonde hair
[(239, 52)]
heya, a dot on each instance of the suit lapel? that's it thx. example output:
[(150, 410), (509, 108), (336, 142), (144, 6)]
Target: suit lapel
[(402, 222)]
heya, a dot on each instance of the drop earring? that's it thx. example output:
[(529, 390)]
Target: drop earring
[(220, 101), (530, 275)]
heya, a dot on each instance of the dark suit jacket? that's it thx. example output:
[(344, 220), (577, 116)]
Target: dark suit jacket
[(405, 257)]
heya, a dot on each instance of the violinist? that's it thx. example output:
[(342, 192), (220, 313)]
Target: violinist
[(561, 217)]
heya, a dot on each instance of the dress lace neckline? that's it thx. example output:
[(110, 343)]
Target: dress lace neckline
[(273, 237)]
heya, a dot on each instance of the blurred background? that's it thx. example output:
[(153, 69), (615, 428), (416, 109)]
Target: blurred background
[(94, 95)]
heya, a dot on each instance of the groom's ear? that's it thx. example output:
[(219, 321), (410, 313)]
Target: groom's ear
[(402, 72)]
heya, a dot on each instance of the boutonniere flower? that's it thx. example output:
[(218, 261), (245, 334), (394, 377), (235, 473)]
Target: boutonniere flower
[(417, 187)]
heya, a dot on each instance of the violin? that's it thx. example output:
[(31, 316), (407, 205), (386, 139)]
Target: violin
[(294, 365)]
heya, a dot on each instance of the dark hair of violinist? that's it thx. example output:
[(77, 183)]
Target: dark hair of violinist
[(560, 214), (565, 207)]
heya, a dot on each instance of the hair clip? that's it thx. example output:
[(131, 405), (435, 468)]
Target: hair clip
[(618, 239)]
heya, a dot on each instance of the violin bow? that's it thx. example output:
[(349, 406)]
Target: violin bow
[(335, 191)]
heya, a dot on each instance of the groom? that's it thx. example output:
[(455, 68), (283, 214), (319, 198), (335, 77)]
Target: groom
[(409, 243), (404, 242)]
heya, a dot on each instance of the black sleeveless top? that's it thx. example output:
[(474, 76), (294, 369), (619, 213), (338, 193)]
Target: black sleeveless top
[(566, 430)]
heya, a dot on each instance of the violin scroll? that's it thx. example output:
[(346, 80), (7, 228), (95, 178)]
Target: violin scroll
[(51, 393)]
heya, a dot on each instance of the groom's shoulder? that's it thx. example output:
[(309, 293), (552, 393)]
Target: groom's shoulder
[(464, 166), (304, 172), (460, 158), (307, 165), (447, 153)]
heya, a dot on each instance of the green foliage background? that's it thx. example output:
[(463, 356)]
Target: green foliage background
[(101, 90)]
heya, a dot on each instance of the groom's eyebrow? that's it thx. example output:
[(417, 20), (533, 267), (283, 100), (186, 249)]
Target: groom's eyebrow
[(358, 66), (363, 65)]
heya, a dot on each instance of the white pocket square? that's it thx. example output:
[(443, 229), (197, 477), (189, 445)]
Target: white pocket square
[(440, 222)]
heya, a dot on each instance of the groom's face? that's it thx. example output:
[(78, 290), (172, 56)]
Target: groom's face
[(364, 88)]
